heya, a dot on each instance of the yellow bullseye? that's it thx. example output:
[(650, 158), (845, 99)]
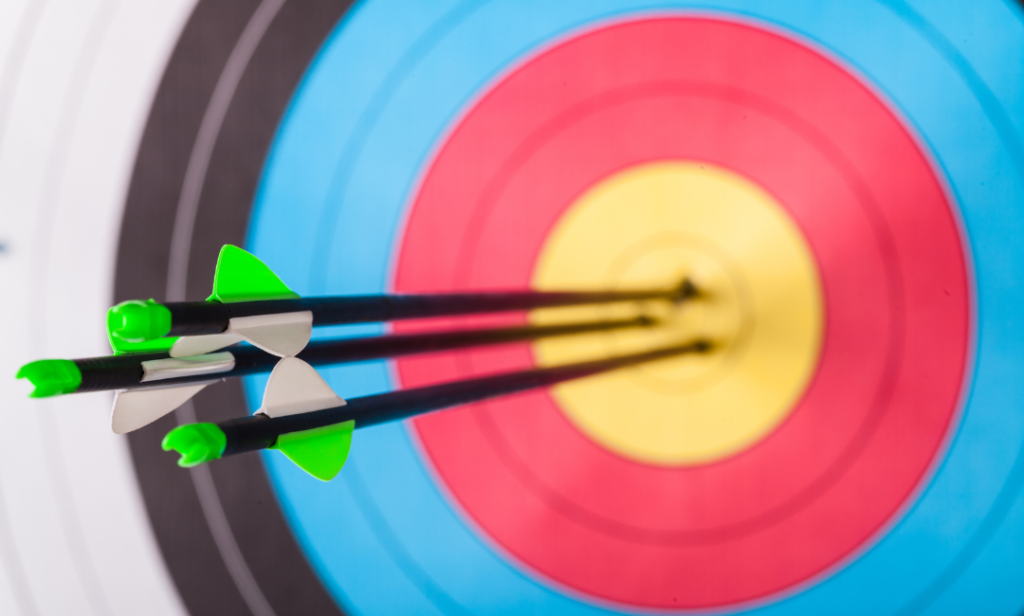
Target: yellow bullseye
[(761, 307)]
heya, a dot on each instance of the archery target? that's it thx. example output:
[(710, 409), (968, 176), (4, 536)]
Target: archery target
[(76, 83), (814, 471), (654, 223), (843, 180), (451, 157)]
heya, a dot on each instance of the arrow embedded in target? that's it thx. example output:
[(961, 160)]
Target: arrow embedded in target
[(250, 303), (166, 353), (305, 420), (149, 385)]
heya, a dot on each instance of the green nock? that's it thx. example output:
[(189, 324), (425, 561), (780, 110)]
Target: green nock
[(158, 345), (138, 321), (51, 377), (197, 443)]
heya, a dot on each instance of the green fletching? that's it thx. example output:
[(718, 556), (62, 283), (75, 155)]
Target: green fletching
[(51, 377), (321, 452), (241, 277), (197, 443), (136, 322)]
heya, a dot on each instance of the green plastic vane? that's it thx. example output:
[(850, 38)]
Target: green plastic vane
[(138, 326), (197, 443), (321, 452), (51, 377), (241, 277)]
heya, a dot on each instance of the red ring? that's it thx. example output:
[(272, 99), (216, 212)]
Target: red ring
[(894, 280)]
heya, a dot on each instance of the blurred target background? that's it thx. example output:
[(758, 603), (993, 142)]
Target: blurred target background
[(846, 177)]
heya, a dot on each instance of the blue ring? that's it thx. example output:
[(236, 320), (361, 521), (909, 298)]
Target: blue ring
[(383, 91)]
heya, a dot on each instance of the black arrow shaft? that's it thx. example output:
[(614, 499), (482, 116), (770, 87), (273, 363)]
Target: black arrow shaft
[(259, 431), (126, 371), (200, 318)]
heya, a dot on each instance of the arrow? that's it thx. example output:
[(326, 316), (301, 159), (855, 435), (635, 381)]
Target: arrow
[(52, 377), (318, 439), (249, 302), (151, 385)]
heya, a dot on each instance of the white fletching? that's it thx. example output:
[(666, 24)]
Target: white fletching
[(190, 346), (283, 335), (135, 408), (295, 387)]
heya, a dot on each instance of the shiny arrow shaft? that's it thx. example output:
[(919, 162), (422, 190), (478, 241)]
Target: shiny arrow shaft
[(159, 370), (260, 432), (204, 318)]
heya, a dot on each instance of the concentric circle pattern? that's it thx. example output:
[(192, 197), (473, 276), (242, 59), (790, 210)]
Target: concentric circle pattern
[(759, 305), (464, 153), (868, 424)]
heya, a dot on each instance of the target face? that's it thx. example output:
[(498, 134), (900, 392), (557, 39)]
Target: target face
[(847, 203), (857, 423)]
